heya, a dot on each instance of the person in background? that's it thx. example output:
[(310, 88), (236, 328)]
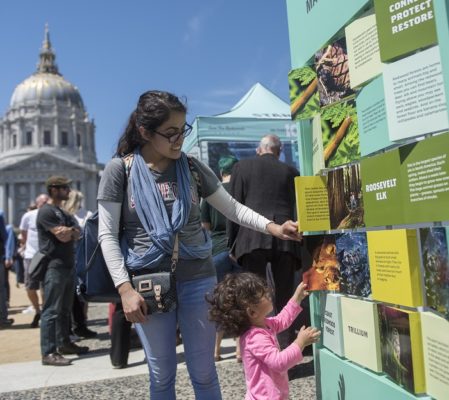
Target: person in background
[(28, 232), (120, 331), (5, 322), (266, 185), (160, 202), (10, 256), (57, 233), (18, 262), (240, 305), (74, 206), (215, 222)]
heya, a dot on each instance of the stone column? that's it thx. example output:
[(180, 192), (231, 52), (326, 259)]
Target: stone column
[(2, 197), (56, 140), (20, 133), (74, 133), (83, 187), (32, 191), (11, 200), (91, 192)]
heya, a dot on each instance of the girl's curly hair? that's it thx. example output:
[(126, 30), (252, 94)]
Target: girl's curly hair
[(231, 299)]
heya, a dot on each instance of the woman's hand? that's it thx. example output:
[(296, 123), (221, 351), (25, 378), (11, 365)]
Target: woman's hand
[(133, 303), (287, 231)]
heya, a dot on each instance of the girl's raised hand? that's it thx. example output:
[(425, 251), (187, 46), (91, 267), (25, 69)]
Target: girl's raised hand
[(300, 292)]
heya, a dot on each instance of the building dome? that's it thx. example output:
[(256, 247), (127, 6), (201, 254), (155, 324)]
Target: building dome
[(46, 87), (46, 84)]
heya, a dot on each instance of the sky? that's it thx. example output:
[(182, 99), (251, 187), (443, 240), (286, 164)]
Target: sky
[(209, 51)]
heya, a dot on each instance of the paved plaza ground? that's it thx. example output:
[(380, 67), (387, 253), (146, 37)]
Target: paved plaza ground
[(22, 376)]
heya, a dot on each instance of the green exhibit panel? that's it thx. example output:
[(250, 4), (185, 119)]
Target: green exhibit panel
[(425, 175), (381, 186), (341, 379), (404, 26)]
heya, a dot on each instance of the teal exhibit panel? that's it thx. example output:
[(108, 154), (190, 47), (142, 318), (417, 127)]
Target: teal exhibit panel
[(311, 23), (344, 380), (442, 25)]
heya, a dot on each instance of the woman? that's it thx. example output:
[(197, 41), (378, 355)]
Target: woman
[(154, 201), (74, 206)]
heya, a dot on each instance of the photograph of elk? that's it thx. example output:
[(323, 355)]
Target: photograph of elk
[(344, 188)]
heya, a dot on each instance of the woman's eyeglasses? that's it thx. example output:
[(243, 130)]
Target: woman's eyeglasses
[(63, 187), (174, 137)]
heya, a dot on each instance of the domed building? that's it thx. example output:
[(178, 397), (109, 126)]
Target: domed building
[(45, 131)]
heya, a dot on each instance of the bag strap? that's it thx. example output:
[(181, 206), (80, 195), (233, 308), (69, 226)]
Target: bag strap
[(174, 257), (127, 163), (195, 174)]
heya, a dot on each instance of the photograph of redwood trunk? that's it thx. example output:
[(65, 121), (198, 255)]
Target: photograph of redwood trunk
[(344, 187)]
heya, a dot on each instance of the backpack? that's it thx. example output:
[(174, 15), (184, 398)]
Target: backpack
[(94, 282)]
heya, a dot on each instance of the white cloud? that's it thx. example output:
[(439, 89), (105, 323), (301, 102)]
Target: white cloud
[(194, 26)]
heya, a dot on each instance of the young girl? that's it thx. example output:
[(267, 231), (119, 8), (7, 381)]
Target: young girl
[(240, 305)]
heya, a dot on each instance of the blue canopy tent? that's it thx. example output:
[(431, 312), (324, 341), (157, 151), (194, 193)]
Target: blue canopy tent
[(259, 112)]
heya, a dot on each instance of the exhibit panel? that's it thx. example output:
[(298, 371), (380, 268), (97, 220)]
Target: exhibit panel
[(369, 93)]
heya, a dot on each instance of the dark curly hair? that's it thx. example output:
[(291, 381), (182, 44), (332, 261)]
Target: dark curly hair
[(153, 109), (231, 299)]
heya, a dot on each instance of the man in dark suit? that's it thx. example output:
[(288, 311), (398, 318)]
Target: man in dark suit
[(266, 185)]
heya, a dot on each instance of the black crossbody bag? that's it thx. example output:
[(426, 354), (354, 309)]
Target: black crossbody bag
[(159, 288)]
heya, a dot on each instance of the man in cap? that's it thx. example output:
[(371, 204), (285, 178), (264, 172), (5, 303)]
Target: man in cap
[(57, 233)]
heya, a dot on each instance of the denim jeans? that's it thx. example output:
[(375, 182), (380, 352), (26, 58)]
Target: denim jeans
[(59, 285), (3, 295), (158, 337), (224, 265)]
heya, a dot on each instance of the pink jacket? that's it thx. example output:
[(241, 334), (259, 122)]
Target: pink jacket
[(264, 364)]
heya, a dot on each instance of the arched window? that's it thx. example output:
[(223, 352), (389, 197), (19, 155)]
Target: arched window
[(29, 138), (47, 138), (64, 138)]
